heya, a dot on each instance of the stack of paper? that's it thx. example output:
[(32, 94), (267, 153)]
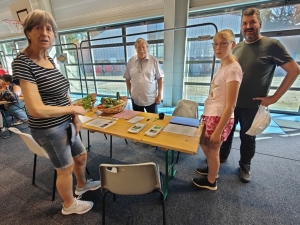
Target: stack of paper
[(101, 123), (126, 114), (135, 119), (84, 119), (180, 129)]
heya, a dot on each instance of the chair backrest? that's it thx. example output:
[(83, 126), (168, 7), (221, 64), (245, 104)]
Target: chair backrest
[(186, 108), (130, 179), (30, 142)]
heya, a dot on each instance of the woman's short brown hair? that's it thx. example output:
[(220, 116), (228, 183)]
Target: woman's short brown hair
[(38, 17)]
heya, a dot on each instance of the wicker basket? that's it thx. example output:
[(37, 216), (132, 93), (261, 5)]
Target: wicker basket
[(117, 108)]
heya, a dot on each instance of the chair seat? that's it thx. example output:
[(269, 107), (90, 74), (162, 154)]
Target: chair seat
[(130, 179)]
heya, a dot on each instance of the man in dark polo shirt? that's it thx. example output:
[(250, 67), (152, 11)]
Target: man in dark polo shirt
[(258, 57)]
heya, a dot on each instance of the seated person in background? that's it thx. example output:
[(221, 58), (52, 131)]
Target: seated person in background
[(2, 85), (2, 88), (2, 71), (15, 108)]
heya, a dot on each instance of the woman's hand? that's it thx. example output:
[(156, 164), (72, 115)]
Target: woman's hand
[(77, 123), (79, 110), (215, 138)]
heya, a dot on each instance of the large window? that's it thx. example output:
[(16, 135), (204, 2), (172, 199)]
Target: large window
[(96, 59), (280, 18), (199, 52), (72, 68), (6, 56), (274, 21)]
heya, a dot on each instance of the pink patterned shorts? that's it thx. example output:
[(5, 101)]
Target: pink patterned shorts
[(211, 123)]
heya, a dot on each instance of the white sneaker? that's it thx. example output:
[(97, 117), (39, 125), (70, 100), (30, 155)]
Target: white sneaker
[(3, 129), (90, 185), (17, 123), (78, 207)]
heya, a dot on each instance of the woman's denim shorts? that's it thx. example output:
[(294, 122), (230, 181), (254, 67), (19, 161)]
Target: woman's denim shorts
[(57, 143)]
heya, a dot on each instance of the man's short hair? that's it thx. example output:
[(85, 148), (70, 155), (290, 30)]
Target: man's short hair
[(141, 40), (251, 12)]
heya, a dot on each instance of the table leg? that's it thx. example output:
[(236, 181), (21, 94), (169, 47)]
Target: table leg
[(7, 126), (89, 145), (169, 171), (110, 146)]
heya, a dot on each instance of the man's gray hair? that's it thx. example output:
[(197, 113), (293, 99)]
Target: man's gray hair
[(140, 40)]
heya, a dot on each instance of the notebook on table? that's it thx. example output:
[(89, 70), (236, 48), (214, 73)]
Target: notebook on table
[(185, 121)]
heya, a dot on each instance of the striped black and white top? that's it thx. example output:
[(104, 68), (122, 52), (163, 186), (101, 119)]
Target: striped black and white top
[(52, 85)]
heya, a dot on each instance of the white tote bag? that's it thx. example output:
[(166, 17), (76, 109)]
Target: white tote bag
[(261, 121)]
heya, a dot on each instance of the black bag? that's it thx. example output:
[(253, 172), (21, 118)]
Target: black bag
[(8, 96)]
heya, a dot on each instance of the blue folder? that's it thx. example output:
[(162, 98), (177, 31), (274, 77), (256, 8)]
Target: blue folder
[(185, 121)]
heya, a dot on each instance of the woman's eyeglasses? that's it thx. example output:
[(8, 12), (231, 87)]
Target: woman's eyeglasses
[(40, 29), (222, 44)]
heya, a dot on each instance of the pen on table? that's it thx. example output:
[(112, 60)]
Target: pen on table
[(149, 119)]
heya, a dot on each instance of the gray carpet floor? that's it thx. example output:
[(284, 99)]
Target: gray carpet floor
[(272, 196)]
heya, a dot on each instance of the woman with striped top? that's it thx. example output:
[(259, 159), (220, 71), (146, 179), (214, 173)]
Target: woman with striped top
[(51, 115)]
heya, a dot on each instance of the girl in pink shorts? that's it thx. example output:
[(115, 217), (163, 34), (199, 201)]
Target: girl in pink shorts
[(219, 106)]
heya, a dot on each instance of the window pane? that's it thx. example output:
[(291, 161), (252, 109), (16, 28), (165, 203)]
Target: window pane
[(111, 88), (7, 47), (75, 86), (72, 72), (105, 34), (108, 54), (72, 56), (157, 50), (114, 72), (290, 101), (89, 72), (231, 21), (145, 28), (75, 38), (280, 18), (196, 92), (21, 44), (199, 54)]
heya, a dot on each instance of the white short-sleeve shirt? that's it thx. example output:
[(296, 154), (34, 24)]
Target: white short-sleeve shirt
[(143, 76)]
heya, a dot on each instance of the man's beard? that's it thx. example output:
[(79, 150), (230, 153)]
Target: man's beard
[(252, 37)]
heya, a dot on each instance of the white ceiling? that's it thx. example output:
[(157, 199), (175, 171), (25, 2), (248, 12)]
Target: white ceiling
[(71, 14)]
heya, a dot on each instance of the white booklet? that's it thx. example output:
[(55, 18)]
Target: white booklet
[(136, 128), (180, 129), (84, 119), (153, 131), (135, 119), (101, 123)]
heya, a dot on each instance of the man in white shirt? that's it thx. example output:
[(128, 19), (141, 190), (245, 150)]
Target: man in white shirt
[(144, 79)]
